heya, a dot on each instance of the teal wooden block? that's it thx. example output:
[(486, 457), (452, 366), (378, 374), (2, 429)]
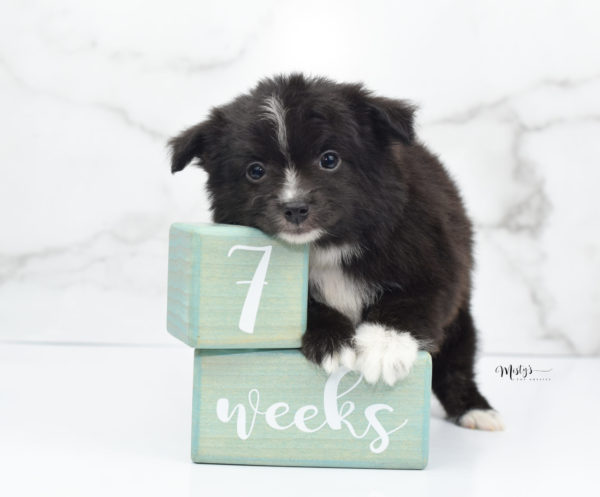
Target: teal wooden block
[(235, 287), (273, 407)]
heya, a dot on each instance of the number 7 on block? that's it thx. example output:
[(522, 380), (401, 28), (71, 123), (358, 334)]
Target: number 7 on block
[(250, 307)]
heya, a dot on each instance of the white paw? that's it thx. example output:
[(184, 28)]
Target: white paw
[(345, 357), (384, 353), (482, 419)]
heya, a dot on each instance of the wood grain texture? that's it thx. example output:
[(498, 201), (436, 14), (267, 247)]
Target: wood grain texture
[(275, 408), (209, 281)]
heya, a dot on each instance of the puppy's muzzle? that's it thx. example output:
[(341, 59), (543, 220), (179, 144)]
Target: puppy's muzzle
[(295, 212)]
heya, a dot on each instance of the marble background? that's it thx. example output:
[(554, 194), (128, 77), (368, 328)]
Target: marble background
[(509, 96)]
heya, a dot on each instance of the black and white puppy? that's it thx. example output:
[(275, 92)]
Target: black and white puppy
[(312, 161)]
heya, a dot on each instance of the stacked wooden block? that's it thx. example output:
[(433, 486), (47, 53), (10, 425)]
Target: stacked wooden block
[(239, 298)]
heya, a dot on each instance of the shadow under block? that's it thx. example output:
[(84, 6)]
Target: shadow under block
[(276, 408), (235, 287)]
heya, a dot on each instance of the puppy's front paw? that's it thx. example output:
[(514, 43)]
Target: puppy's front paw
[(482, 419), (344, 357), (384, 353)]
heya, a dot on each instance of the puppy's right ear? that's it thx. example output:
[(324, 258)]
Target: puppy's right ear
[(188, 145), (393, 118)]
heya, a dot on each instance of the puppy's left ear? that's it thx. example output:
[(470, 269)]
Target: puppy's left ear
[(392, 118), (188, 145)]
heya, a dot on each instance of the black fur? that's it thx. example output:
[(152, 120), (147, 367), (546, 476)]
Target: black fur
[(390, 196)]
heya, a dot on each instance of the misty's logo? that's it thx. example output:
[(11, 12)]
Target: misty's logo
[(522, 372)]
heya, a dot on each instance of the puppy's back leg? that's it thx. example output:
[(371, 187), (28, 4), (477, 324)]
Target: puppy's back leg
[(453, 379)]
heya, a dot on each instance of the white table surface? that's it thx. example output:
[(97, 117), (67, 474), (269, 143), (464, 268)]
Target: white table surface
[(115, 420)]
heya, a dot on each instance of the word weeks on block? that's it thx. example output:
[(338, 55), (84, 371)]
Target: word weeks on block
[(235, 287), (273, 407)]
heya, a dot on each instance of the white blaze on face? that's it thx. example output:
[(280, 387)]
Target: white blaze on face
[(290, 190), (275, 112)]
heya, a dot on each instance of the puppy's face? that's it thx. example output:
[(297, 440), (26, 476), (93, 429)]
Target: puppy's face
[(301, 159)]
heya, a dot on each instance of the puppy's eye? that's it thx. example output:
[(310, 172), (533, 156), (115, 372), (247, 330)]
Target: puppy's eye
[(330, 160), (255, 171)]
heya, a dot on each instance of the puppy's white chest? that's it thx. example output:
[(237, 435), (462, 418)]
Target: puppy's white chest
[(330, 285)]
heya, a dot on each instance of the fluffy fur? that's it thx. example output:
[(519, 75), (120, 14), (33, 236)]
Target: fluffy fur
[(391, 250)]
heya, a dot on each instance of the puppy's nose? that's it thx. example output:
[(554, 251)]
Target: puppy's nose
[(295, 212)]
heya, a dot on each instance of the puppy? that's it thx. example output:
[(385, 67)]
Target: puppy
[(312, 161)]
